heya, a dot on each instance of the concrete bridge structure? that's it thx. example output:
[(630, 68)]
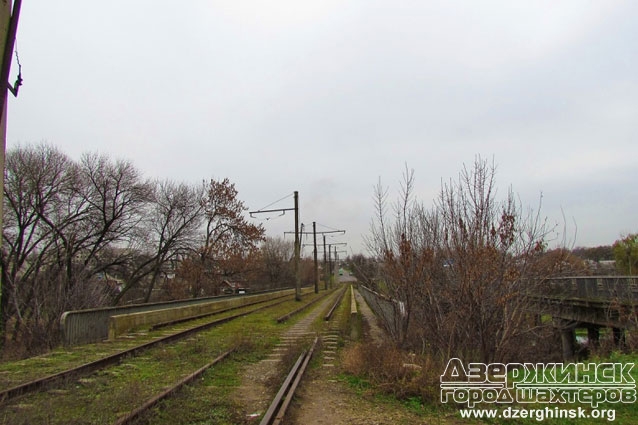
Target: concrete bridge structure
[(590, 302)]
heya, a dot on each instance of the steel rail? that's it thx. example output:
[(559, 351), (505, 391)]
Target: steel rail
[(51, 380), (152, 402), (277, 409), (214, 313), (328, 315), (287, 316)]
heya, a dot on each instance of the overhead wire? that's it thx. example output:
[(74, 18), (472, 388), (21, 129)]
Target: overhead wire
[(283, 212), (278, 200)]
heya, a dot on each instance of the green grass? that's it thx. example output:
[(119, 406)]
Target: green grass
[(13, 373), (107, 394)]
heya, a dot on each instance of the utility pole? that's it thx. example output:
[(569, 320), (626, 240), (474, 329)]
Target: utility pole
[(336, 264), (327, 271), (315, 233), (314, 240), (297, 250), (8, 30), (329, 263), (325, 268), (297, 244)]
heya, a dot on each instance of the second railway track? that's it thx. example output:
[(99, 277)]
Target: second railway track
[(51, 380), (162, 358)]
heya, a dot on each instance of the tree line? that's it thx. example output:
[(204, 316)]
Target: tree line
[(93, 232)]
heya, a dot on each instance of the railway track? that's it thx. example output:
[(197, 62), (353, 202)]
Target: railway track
[(258, 377), (280, 403), (51, 380), (133, 416), (92, 383), (278, 407), (328, 315), (275, 413)]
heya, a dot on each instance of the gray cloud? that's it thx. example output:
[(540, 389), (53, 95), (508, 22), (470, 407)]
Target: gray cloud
[(327, 97)]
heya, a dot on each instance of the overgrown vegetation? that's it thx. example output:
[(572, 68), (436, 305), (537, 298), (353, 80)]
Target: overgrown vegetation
[(459, 272), (457, 278), (392, 371)]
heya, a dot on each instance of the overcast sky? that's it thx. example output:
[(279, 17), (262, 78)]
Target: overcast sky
[(326, 97)]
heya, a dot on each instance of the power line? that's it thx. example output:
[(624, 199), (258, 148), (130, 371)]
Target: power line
[(273, 203), (327, 227)]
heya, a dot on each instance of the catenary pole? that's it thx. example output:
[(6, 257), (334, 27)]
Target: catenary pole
[(314, 239), (297, 249)]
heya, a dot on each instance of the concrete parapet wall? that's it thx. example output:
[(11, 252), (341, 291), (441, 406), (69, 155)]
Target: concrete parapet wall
[(353, 301), (92, 325), (122, 323)]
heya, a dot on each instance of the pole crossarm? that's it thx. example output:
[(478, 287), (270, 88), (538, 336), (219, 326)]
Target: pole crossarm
[(333, 244), (296, 232), (281, 210)]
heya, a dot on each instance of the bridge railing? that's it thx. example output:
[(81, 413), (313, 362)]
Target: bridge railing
[(604, 288), (385, 308)]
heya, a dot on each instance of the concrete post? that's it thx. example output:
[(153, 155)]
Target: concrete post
[(567, 337), (619, 337), (593, 335)]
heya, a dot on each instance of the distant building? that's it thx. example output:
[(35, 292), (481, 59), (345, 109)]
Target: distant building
[(229, 287)]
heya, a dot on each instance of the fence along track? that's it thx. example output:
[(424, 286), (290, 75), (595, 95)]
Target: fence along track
[(88, 368), (135, 414), (275, 413)]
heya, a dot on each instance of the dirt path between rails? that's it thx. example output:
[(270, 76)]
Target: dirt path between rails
[(255, 392), (324, 400)]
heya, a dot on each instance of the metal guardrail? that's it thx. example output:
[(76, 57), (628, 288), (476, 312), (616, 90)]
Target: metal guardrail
[(383, 307)]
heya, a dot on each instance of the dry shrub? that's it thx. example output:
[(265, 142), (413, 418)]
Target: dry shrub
[(393, 371)]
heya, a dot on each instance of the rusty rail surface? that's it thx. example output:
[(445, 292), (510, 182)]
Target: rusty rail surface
[(275, 413)]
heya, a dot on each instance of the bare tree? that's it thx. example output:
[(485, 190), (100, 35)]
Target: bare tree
[(117, 196), (228, 237), (60, 217), (276, 255), (460, 273), (35, 180), (76, 233), (171, 226)]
